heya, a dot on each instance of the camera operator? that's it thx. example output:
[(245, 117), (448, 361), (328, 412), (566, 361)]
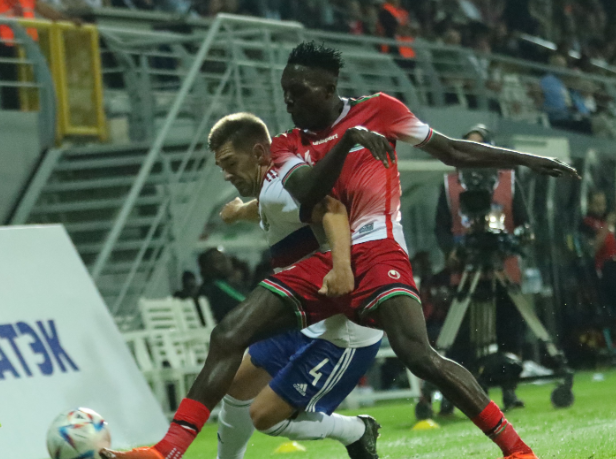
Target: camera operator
[(451, 226)]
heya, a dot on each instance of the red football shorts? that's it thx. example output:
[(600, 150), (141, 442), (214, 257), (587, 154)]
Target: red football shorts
[(382, 270)]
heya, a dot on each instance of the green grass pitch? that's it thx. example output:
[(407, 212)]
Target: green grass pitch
[(587, 430)]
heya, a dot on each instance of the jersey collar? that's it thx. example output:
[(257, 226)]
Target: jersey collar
[(345, 110)]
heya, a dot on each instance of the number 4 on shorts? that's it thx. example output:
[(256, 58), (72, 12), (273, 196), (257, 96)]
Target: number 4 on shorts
[(315, 372)]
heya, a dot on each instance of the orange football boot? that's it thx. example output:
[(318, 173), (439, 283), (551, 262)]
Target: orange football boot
[(522, 456), (137, 453)]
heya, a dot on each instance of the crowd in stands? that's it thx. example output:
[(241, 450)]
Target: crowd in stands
[(225, 280), (577, 32), (491, 25)]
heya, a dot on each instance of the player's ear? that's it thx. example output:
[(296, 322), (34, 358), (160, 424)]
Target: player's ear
[(262, 154)]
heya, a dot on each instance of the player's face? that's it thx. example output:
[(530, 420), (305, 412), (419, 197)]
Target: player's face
[(475, 137), (308, 95), (598, 204), (240, 168)]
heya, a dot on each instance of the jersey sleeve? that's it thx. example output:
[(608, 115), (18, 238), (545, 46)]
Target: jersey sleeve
[(284, 156), (401, 124)]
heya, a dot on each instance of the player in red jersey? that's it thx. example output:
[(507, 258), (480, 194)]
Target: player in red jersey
[(385, 294), (332, 147)]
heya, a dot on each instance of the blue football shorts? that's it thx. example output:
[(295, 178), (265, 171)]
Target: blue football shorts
[(311, 374)]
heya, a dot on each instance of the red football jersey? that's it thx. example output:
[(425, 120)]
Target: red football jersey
[(608, 249), (370, 191)]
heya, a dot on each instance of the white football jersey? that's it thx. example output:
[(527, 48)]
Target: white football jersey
[(291, 239)]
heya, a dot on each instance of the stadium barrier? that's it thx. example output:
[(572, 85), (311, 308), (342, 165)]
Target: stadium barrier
[(73, 56), (60, 348)]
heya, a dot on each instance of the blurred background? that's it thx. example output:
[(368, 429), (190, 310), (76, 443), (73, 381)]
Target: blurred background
[(105, 107)]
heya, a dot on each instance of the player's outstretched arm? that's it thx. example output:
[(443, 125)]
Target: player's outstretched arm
[(333, 215), (238, 210), (464, 153), (310, 186)]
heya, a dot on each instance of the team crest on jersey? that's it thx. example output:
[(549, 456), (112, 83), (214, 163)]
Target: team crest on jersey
[(306, 157), (393, 274)]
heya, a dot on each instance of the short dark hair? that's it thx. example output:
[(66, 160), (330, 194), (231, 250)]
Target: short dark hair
[(204, 257), (313, 55), (239, 128)]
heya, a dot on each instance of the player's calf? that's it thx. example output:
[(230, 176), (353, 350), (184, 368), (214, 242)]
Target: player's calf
[(402, 319)]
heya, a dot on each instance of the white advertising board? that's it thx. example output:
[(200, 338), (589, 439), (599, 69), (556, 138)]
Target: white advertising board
[(60, 348)]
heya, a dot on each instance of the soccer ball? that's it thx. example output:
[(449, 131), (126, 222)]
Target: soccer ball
[(78, 434)]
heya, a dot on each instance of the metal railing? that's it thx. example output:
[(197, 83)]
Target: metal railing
[(227, 96), (34, 85), (437, 76), (73, 57), (234, 63)]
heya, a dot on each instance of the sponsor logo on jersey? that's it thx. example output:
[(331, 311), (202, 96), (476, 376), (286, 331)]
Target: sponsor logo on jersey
[(328, 139), (301, 388), (307, 158), (366, 228), (393, 274)]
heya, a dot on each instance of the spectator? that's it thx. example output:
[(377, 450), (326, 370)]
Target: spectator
[(598, 226), (519, 16), (9, 95), (190, 287), (395, 23), (371, 19), (355, 20), (223, 6), (558, 104), (215, 268), (262, 270), (503, 41), (240, 275)]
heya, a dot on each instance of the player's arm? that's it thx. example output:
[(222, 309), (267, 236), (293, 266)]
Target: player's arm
[(333, 216), (464, 153), (310, 185), (400, 123), (237, 210)]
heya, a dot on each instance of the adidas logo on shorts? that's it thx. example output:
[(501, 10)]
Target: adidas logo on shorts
[(301, 388)]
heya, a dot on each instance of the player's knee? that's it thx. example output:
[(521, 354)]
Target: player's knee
[(421, 359), (261, 418), (424, 364)]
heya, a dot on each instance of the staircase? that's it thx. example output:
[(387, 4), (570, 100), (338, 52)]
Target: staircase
[(135, 212), (84, 189)]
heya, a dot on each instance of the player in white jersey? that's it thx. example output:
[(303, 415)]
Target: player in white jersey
[(311, 371)]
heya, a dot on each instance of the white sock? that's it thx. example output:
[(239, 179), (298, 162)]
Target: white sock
[(316, 426), (234, 428)]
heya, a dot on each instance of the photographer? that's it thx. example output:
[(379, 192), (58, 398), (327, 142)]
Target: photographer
[(509, 209)]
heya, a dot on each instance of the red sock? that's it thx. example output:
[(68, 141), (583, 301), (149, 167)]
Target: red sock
[(493, 423), (186, 424)]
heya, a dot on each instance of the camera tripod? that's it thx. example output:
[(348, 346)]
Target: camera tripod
[(483, 332)]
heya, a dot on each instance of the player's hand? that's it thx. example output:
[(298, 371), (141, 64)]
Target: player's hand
[(376, 143), (230, 213), (551, 166), (338, 282)]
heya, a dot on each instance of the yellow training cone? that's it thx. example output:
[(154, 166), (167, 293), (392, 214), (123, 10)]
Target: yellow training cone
[(290, 447), (427, 424)]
